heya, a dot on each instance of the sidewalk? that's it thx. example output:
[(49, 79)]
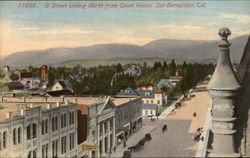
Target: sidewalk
[(169, 109), (132, 140)]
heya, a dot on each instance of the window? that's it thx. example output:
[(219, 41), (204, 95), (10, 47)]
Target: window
[(61, 121), (64, 120), (152, 101), (45, 151), (151, 111), (158, 101), (71, 141), (43, 127), (46, 126), (71, 118), (14, 136), (146, 112), (32, 154), (55, 148), (56, 123), (100, 125), (0, 141), (34, 129), (63, 144), (19, 135), (29, 132), (4, 139), (111, 123), (53, 125)]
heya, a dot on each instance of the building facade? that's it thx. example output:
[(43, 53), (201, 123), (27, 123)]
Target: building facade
[(38, 130), (148, 96), (149, 110), (100, 125), (128, 117)]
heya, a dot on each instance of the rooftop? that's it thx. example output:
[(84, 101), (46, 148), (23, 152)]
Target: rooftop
[(15, 109), (120, 101), (149, 106)]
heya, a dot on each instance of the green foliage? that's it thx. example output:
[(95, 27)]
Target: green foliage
[(13, 77), (98, 79), (126, 154)]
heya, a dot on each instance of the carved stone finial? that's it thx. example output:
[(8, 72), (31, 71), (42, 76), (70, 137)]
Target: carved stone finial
[(224, 32)]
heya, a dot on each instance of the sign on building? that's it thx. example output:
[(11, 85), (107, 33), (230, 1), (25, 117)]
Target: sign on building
[(91, 147)]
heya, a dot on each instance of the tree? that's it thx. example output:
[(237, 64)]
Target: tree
[(14, 77), (172, 67), (51, 76), (165, 65), (119, 68)]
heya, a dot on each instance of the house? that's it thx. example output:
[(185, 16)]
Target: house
[(31, 83), (151, 97), (64, 92), (165, 83), (62, 85), (23, 74), (149, 110), (16, 85), (128, 92), (146, 87), (148, 96), (175, 79), (78, 77), (134, 71)]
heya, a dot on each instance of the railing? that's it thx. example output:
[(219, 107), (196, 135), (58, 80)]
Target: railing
[(203, 145)]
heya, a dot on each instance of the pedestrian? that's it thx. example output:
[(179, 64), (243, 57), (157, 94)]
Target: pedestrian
[(164, 128), (124, 144), (194, 114), (114, 148)]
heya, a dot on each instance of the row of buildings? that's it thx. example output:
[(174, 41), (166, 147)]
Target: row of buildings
[(66, 126)]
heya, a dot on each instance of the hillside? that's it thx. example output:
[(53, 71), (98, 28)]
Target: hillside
[(201, 51)]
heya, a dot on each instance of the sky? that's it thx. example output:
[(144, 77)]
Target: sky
[(41, 28)]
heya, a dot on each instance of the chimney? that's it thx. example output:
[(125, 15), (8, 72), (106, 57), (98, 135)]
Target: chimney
[(57, 104), (8, 115), (22, 112), (66, 102), (48, 106)]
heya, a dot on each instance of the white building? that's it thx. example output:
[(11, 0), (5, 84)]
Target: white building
[(100, 119), (62, 85), (149, 110), (38, 130)]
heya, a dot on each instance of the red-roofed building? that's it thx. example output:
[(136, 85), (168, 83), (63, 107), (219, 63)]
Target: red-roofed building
[(146, 87), (175, 79)]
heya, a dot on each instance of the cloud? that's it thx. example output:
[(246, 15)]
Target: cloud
[(180, 27), (28, 28), (186, 32), (64, 31), (239, 18)]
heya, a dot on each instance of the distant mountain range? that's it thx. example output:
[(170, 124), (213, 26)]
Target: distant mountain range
[(203, 51)]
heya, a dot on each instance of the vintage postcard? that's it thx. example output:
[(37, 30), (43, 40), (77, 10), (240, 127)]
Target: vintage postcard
[(124, 79)]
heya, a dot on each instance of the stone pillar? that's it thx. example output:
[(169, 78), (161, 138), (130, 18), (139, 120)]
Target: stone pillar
[(114, 133), (109, 135), (223, 88), (103, 139)]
